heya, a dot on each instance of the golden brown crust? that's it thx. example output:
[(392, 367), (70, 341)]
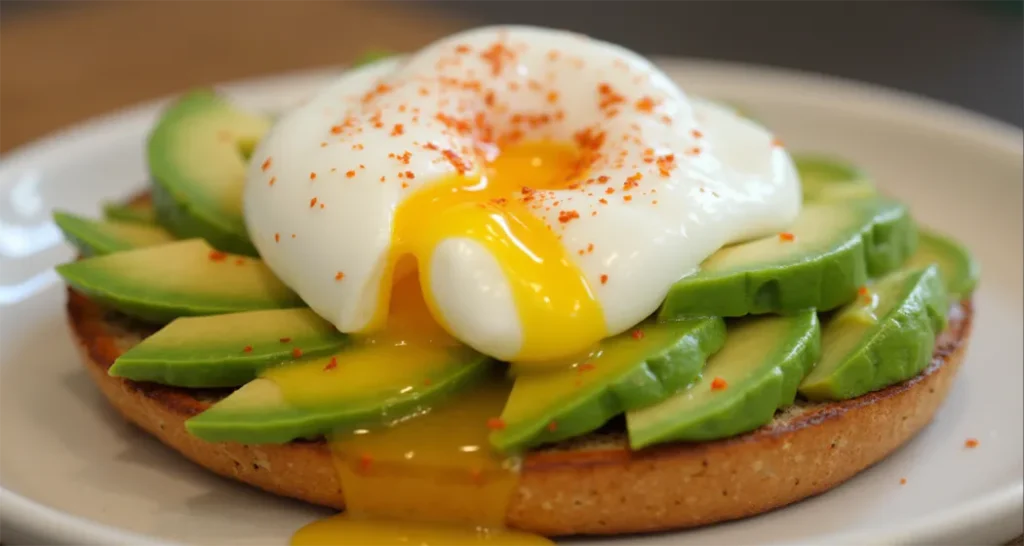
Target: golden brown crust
[(593, 486)]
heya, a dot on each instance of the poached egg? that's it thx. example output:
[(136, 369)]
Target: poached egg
[(542, 189)]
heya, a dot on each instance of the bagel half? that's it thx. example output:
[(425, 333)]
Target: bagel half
[(589, 485)]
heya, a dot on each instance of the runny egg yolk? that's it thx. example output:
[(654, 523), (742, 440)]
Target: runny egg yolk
[(558, 312)]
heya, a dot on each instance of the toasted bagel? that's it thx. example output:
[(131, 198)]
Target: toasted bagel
[(589, 485)]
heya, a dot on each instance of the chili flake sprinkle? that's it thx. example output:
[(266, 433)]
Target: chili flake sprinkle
[(496, 423), (604, 279), (567, 216), (218, 256), (787, 237), (277, 237), (285, 340), (718, 384), (552, 426), (971, 443), (312, 176), (296, 353), (638, 334), (332, 364), (585, 367), (266, 164), (863, 291), (903, 481), (247, 349), (338, 276), (312, 202), (350, 174)]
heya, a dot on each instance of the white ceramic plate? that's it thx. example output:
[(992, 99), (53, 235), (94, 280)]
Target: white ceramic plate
[(73, 472)]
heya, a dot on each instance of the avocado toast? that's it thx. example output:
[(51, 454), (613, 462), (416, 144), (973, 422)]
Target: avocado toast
[(783, 367)]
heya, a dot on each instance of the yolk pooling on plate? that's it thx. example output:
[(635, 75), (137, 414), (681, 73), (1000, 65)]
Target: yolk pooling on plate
[(428, 478)]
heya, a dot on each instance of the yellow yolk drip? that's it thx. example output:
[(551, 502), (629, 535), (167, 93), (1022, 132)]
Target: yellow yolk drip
[(558, 312), (433, 478)]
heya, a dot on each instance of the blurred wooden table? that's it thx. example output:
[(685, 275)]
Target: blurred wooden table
[(64, 64)]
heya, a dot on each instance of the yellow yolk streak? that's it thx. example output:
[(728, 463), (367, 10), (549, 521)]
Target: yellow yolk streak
[(433, 478), (558, 312)]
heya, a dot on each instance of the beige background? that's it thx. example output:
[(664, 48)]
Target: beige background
[(64, 65)]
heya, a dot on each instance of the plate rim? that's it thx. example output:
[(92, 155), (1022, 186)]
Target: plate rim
[(28, 515)]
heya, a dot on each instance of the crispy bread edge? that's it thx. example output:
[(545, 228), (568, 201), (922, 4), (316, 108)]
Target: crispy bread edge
[(595, 485)]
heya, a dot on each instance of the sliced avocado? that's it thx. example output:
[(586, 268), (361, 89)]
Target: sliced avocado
[(98, 237), (184, 278), (959, 269), (630, 370), (227, 350), (140, 211), (827, 178), (886, 336), (755, 373), (819, 263), (197, 156), (360, 386), (372, 56)]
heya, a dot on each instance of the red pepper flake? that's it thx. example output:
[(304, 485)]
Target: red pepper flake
[(696, 133), (603, 201), (350, 174), (266, 164), (602, 179), (645, 105), (693, 151), (247, 349), (285, 340), (590, 247), (397, 130), (627, 198), (718, 384), (240, 261), (496, 423), (496, 55), (787, 237), (863, 291), (427, 381), (585, 367), (409, 175), (339, 275), (638, 334), (971, 443), (332, 364), (903, 481), (365, 462), (567, 216), (604, 279), (552, 426), (277, 237), (777, 142), (610, 190), (296, 353), (552, 97), (312, 202), (462, 48), (312, 176), (218, 256), (405, 157), (336, 129), (272, 180)]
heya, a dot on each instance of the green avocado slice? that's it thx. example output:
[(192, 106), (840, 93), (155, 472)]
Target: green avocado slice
[(833, 249), (825, 178), (227, 350), (140, 212), (197, 154), (99, 237), (886, 336), (183, 278), (348, 390), (628, 371), (755, 373), (958, 268)]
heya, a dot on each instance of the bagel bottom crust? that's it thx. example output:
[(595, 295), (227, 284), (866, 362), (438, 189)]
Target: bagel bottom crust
[(591, 485)]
